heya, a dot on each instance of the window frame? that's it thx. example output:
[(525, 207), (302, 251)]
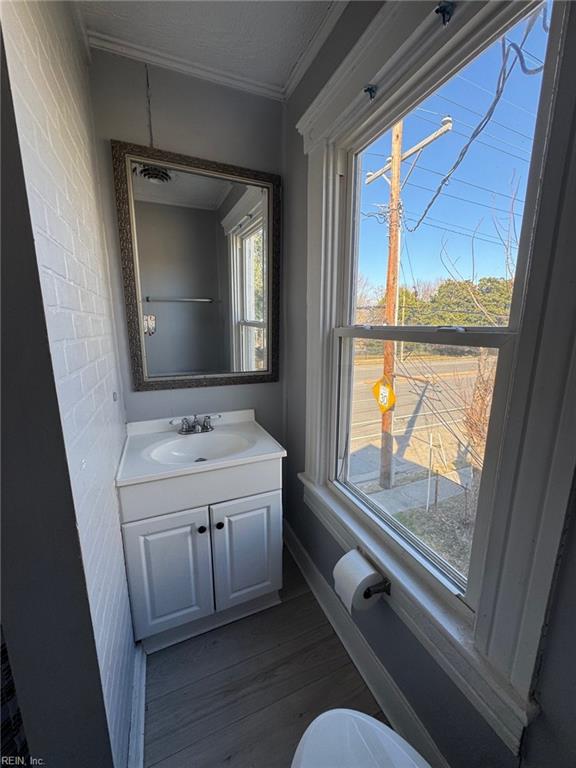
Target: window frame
[(490, 653), (502, 339), (239, 320)]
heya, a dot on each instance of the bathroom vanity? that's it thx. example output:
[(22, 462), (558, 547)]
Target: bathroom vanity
[(202, 525)]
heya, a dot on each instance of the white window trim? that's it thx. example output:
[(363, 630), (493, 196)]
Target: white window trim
[(239, 320), (250, 206), (491, 654)]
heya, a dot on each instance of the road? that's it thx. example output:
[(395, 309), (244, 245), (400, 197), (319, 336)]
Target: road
[(431, 395), (427, 395)]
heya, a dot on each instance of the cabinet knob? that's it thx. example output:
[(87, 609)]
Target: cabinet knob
[(202, 529), (219, 526)]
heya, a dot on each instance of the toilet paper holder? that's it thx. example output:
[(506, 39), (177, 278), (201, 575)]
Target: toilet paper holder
[(383, 586)]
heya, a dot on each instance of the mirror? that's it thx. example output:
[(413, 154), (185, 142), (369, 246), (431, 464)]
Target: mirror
[(199, 245)]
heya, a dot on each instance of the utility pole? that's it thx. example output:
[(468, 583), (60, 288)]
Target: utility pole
[(391, 298), (394, 165)]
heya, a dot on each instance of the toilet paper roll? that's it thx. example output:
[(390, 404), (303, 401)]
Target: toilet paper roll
[(353, 574)]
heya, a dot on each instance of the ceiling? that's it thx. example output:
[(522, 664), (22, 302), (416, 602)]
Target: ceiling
[(257, 46), (191, 190)]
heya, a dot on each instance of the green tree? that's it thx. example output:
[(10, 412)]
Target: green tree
[(258, 276), (455, 302), (495, 293), (411, 308)]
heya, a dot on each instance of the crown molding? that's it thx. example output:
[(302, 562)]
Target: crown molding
[(149, 56), (302, 65), (78, 21)]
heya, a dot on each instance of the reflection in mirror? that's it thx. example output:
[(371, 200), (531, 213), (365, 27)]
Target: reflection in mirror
[(200, 246), (201, 252)]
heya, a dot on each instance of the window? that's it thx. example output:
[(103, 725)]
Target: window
[(419, 464), (249, 285), (439, 419), (440, 204)]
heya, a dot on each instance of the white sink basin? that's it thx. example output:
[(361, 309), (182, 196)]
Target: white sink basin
[(155, 451), (186, 449)]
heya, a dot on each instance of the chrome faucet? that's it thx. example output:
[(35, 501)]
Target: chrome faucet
[(193, 426), (188, 427)]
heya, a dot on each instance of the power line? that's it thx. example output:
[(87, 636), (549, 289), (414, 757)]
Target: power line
[(450, 394), (479, 141), (461, 226), (404, 274), (409, 217), (462, 234), (486, 133), (465, 200), (471, 184), (409, 261), (479, 114), (503, 77), (527, 53), (454, 178), (487, 90), (522, 61)]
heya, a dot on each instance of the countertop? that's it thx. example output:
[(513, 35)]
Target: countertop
[(145, 437)]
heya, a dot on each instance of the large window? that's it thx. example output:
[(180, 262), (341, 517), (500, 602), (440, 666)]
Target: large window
[(440, 317), (436, 297)]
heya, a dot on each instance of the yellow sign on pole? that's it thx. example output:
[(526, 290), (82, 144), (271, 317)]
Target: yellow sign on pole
[(384, 394)]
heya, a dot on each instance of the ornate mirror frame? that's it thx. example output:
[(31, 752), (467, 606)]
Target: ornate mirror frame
[(122, 154)]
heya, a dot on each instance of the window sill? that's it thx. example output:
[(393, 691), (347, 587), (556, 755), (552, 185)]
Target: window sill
[(435, 615)]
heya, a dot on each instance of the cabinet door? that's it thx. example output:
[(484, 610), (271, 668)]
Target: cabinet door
[(246, 548), (169, 565)]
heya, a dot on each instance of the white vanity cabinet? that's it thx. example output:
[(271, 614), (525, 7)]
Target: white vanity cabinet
[(202, 525), (169, 567), (246, 548), (184, 566)]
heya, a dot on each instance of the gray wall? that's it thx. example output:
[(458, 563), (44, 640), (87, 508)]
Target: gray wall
[(181, 254), (196, 118), (350, 26), (460, 732)]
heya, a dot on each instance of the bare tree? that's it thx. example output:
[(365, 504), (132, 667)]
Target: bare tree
[(477, 407), (507, 233), (367, 293), (469, 285)]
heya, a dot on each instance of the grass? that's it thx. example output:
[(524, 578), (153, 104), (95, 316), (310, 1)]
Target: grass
[(447, 528)]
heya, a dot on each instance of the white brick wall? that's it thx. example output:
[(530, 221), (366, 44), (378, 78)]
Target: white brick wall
[(49, 81)]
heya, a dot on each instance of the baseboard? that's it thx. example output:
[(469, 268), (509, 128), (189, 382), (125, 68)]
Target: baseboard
[(136, 745), (388, 695)]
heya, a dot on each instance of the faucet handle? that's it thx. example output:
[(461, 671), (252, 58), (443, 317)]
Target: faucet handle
[(207, 425), (177, 422)]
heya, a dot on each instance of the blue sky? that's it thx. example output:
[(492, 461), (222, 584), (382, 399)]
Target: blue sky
[(496, 164)]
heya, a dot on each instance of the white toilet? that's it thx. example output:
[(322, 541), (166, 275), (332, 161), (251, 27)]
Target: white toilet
[(343, 738)]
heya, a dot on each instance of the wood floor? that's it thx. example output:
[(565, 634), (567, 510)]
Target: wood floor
[(242, 695)]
